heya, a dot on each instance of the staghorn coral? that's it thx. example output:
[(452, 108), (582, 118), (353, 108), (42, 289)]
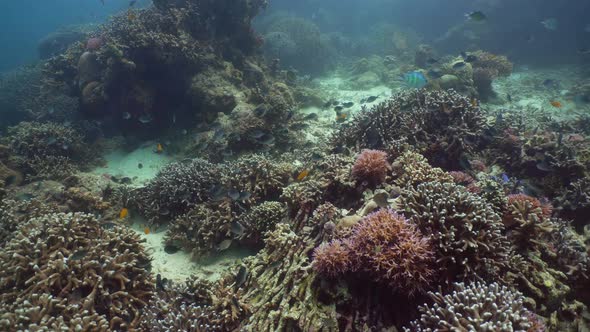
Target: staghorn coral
[(15, 213), (371, 166), (474, 307), (411, 169), (442, 125), (527, 221), (177, 187), (66, 270), (466, 232), (264, 217)]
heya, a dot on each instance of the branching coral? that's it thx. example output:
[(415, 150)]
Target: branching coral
[(371, 166), (333, 258), (263, 218), (475, 307), (177, 187), (466, 232), (66, 270), (411, 169), (440, 124), (527, 220)]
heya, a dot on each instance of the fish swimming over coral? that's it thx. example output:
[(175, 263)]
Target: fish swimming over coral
[(415, 79)]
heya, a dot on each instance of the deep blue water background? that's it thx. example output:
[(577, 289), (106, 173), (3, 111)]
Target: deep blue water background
[(24, 22)]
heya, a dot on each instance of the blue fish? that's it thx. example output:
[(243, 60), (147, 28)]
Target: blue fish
[(505, 178), (415, 79)]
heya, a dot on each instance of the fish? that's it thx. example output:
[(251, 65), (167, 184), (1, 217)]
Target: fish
[(51, 140), (125, 180), (234, 194), (132, 3), (159, 148), (474, 102), (146, 230), (217, 193), (237, 229), (145, 118), (584, 51), (459, 65), (556, 103), (338, 108), (267, 139), (509, 97), (530, 38), (161, 282), (131, 15), (108, 225), (505, 178), (184, 132), (244, 195), (476, 16), (470, 58), (164, 212), (223, 245), (543, 166), (302, 175), (327, 104), (434, 73), (431, 61), (174, 118), (126, 115), (139, 165), (550, 83), (218, 134), (78, 255), (550, 23), (257, 133), (241, 276), (371, 99), (415, 79), (587, 28), (341, 117), (348, 104), (171, 249), (311, 116), (123, 213)]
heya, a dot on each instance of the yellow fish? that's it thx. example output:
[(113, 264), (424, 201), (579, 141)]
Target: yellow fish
[(341, 117), (146, 230), (556, 104), (302, 175), (159, 148), (123, 214)]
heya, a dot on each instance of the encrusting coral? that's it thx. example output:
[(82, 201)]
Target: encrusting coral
[(65, 271)]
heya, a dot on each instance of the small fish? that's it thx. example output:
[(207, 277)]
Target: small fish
[(302, 175), (140, 165), (244, 195), (241, 277), (132, 3), (587, 28), (126, 115), (171, 249), (267, 139), (530, 38), (338, 108), (78, 255), (474, 102), (234, 194), (146, 230), (223, 245), (217, 193), (174, 118), (543, 166), (584, 51), (328, 104), (236, 228), (218, 134), (311, 116), (161, 282), (431, 61), (123, 213), (556, 103), (159, 148), (470, 58), (108, 225), (125, 180), (509, 97), (51, 110), (348, 104), (256, 133), (164, 212), (415, 79), (131, 15), (476, 16), (434, 73), (371, 99), (51, 140), (505, 178), (459, 65), (341, 117), (550, 83), (550, 24), (145, 118), (184, 132)]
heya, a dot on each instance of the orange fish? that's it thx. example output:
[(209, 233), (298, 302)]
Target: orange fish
[(146, 230), (556, 104), (302, 175), (123, 214), (474, 102), (341, 117), (159, 148)]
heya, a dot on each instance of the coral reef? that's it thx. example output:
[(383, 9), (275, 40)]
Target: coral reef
[(466, 232), (371, 166), (475, 307), (440, 124), (65, 271)]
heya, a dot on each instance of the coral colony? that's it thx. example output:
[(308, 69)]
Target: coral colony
[(421, 210)]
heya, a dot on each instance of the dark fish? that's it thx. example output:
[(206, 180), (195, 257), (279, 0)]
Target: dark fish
[(298, 126), (434, 73), (261, 110), (244, 195), (327, 104), (233, 194), (171, 249), (164, 212), (459, 65), (223, 245), (25, 196), (125, 180), (551, 83), (338, 108), (51, 140), (476, 16), (145, 118), (543, 166), (132, 3), (348, 104), (140, 165), (311, 116), (217, 193), (509, 97), (371, 99), (316, 156), (237, 229), (218, 134), (431, 61), (256, 133), (126, 115), (267, 139), (505, 178), (108, 225), (470, 58), (78, 255), (584, 50), (161, 282), (241, 276)]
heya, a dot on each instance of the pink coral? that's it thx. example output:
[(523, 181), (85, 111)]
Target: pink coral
[(331, 259), (371, 166), (94, 43)]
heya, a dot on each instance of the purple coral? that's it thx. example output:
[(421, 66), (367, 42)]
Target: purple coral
[(332, 259), (371, 166)]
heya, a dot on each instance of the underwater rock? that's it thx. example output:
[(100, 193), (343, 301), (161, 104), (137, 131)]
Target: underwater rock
[(449, 82), (89, 68)]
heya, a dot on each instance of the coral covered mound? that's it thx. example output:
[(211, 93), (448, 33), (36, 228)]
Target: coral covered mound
[(176, 188), (371, 166), (466, 232), (440, 124), (386, 247), (475, 307), (66, 272)]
